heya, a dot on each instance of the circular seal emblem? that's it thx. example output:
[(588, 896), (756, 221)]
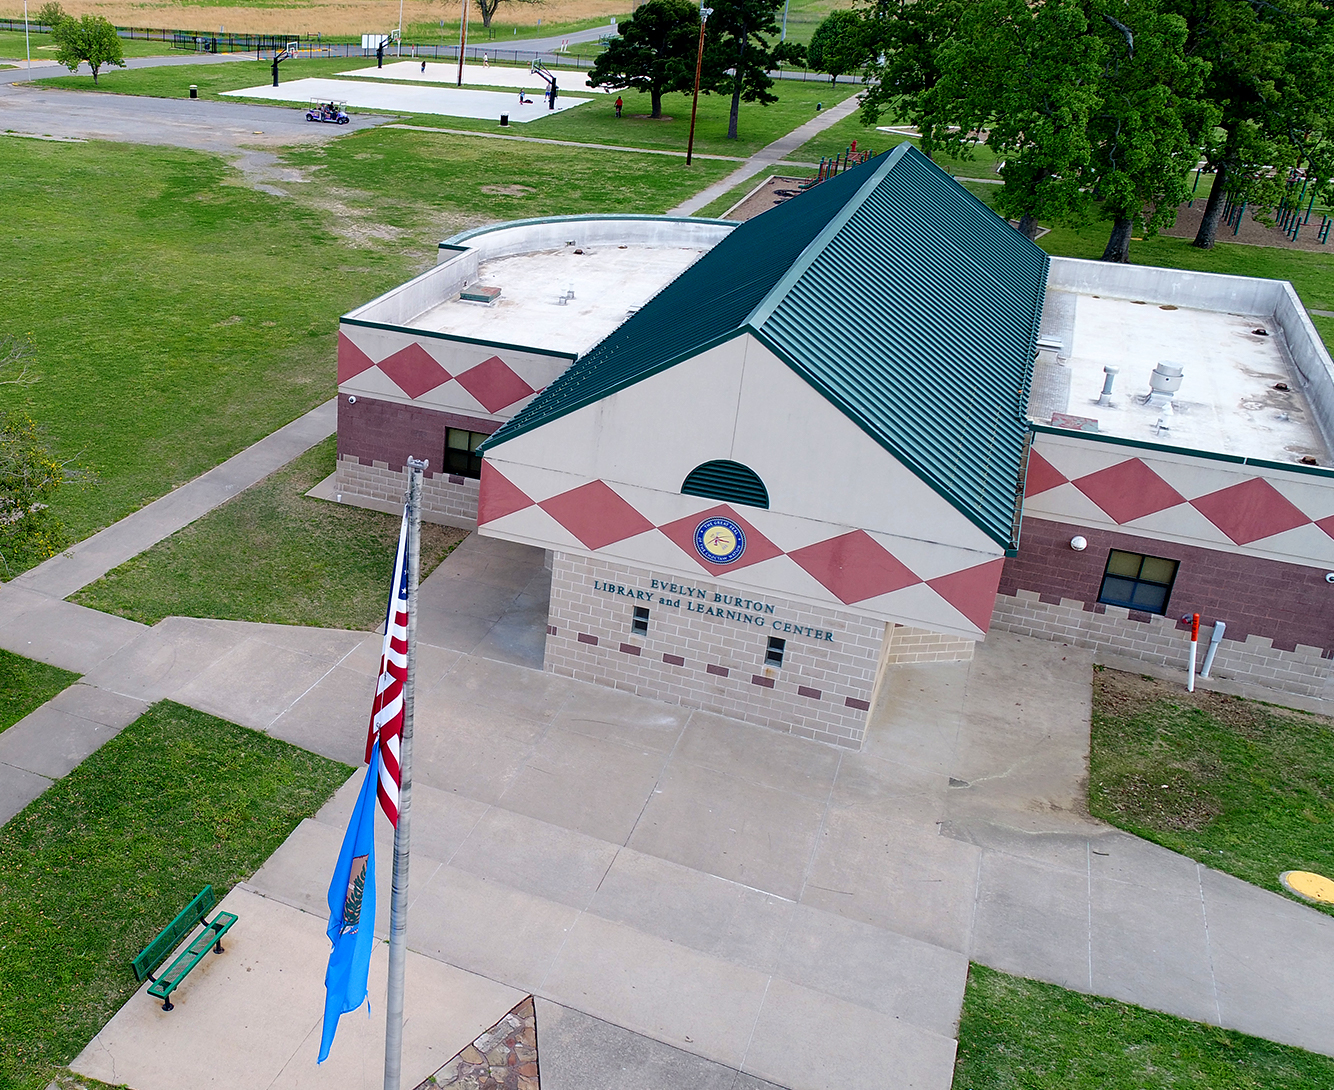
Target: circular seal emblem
[(720, 540)]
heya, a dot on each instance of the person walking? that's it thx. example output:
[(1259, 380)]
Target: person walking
[(423, 68), (619, 104)]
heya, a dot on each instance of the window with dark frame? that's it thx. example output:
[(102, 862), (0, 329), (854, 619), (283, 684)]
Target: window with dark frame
[(1137, 581), (773, 656), (461, 457), (639, 625)]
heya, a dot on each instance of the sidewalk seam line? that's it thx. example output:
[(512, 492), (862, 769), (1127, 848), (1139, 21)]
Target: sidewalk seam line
[(1208, 943), (1088, 857)]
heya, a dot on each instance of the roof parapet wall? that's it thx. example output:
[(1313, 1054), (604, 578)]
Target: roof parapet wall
[(1275, 300), (459, 257)]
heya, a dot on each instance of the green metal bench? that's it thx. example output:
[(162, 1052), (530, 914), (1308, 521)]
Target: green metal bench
[(155, 953)]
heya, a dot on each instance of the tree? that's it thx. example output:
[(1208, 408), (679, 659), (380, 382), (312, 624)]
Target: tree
[(1024, 79), (1248, 46), (50, 14), (654, 52), (30, 474), (89, 39), (741, 53), (489, 8), (1146, 132), (839, 44), (904, 40)]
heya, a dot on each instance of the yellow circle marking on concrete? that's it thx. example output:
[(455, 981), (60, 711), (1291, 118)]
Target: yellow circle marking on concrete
[(1313, 887)]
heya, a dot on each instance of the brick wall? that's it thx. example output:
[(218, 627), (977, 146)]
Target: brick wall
[(1280, 617), (375, 440), (823, 690), (446, 498), (385, 431)]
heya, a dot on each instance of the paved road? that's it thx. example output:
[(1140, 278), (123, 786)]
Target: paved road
[(238, 131)]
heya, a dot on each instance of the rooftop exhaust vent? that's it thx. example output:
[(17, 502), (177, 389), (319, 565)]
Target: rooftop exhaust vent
[(479, 294), (1166, 378)]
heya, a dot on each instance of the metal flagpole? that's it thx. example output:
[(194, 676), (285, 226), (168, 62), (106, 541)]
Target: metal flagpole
[(400, 42), (27, 43), (398, 911)]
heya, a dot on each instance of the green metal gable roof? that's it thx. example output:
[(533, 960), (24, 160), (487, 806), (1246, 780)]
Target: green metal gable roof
[(894, 292)]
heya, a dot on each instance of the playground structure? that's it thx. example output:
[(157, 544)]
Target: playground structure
[(835, 164), (1289, 216)]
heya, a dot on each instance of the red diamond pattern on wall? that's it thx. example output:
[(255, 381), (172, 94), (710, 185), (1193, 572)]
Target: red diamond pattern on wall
[(414, 370), (596, 515), (972, 591), (1251, 510), (493, 384), (854, 567), (1042, 475), (758, 547), (351, 359), (1327, 525), (1129, 490), (498, 496)]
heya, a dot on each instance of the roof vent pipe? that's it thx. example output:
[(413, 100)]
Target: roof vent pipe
[(1111, 373)]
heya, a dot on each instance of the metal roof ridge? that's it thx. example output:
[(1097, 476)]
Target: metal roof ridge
[(815, 247)]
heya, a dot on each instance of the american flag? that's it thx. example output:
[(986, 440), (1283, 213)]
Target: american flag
[(387, 711)]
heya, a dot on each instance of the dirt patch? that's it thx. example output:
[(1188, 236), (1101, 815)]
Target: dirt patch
[(1251, 233), (507, 190), (650, 117), (772, 192)]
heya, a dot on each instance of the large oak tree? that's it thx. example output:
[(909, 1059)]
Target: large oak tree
[(654, 52)]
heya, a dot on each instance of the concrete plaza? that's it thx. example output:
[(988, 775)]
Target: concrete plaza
[(723, 901), (406, 98)]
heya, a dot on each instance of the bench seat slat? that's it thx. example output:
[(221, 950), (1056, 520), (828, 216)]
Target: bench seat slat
[(191, 956)]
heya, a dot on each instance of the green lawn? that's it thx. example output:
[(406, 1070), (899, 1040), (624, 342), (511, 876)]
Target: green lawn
[(271, 554), (1242, 786), (595, 122), (95, 867), (177, 316), (25, 685), (197, 315), (12, 47), (408, 177), (1018, 1034)]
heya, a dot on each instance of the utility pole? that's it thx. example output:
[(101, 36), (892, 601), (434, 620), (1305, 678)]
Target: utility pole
[(398, 910), (463, 39), (704, 14)]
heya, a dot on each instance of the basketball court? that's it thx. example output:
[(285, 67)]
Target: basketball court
[(475, 75), (397, 97)]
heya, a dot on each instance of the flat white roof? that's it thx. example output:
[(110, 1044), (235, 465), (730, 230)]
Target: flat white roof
[(1229, 401), (609, 282)]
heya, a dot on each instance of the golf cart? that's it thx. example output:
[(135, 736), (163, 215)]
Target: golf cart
[(332, 113)]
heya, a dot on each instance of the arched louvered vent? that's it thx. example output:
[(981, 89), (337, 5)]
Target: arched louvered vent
[(724, 480)]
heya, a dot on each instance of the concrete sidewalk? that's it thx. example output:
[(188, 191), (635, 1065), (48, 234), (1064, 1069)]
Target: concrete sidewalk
[(739, 900), (769, 155), (94, 556)]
